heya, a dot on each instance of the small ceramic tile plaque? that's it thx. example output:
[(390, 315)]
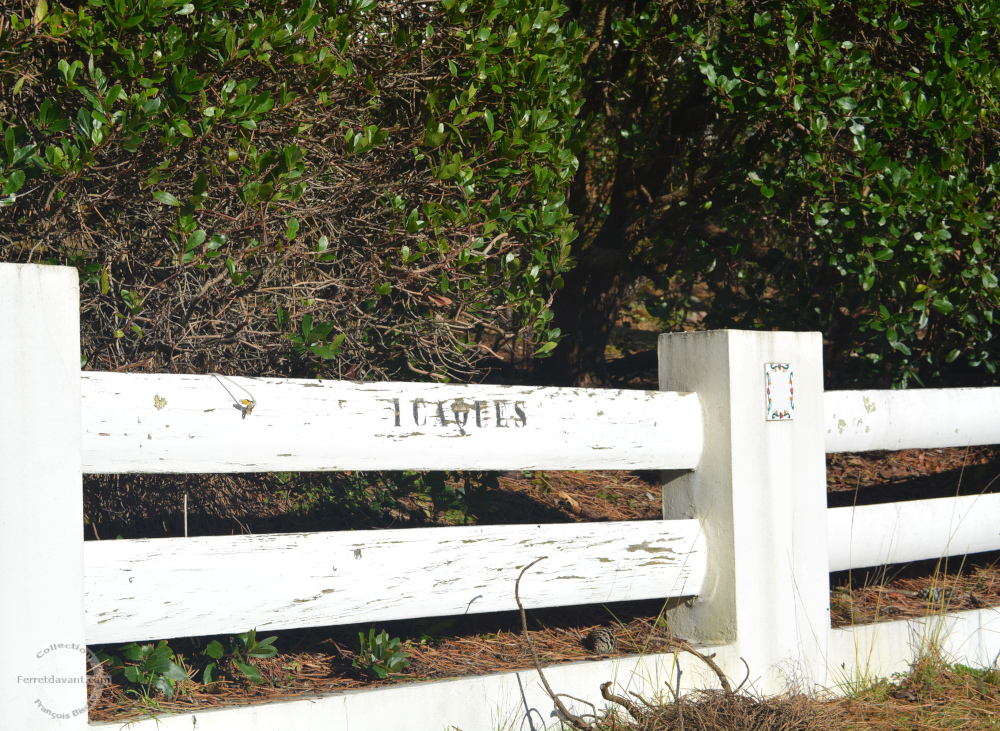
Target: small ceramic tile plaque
[(779, 392)]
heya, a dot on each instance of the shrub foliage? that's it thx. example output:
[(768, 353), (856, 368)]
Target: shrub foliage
[(797, 165), (353, 189)]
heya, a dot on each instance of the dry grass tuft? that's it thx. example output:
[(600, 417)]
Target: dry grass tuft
[(934, 696), (716, 710)]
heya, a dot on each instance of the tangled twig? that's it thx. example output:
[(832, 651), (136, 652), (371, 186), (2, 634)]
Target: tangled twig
[(640, 715), (573, 719), (710, 661), (637, 713)]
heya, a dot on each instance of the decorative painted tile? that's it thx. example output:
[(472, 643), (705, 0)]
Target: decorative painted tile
[(779, 393)]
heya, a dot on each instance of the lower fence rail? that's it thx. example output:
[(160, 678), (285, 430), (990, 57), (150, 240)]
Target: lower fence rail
[(875, 535), (181, 587)]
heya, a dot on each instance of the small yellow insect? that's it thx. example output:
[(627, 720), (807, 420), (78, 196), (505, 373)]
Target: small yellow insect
[(245, 406)]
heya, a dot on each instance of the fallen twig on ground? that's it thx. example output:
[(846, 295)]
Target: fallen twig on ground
[(575, 720)]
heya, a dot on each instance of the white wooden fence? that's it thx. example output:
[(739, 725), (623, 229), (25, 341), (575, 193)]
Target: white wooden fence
[(744, 548)]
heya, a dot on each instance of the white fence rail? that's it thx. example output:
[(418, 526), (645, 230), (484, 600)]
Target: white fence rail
[(857, 421), (182, 587), (740, 427), (874, 535), (170, 423)]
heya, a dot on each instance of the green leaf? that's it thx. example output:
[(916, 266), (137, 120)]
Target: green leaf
[(214, 650), (292, 229), (200, 184), (448, 171), (114, 93), (175, 672), (943, 305), (434, 134), (249, 671), (166, 198), (41, 12), (265, 648), (164, 684), (14, 183), (136, 652), (197, 239)]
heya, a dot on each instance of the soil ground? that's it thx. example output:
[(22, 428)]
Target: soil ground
[(320, 660)]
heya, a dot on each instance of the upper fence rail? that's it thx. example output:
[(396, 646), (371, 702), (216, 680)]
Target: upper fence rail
[(167, 423), (180, 423), (925, 418)]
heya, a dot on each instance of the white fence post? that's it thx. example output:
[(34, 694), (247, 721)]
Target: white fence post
[(760, 494), (43, 658)]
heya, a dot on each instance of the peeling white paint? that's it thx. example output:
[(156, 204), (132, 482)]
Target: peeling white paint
[(924, 418), (225, 584), (192, 424)]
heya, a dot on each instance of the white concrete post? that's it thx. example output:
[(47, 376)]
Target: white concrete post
[(760, 494), (43, 657)]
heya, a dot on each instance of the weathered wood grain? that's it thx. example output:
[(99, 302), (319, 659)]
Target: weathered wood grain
[(181, 587), (175, 423), (924, 418)]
